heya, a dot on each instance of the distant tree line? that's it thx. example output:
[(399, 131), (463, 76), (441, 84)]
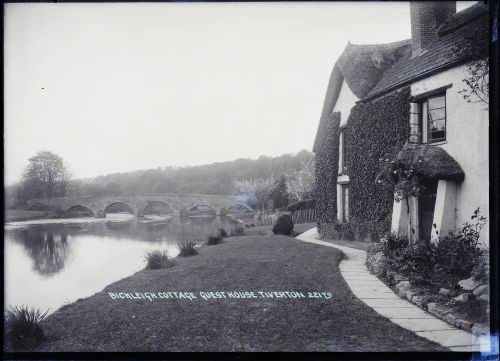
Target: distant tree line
[(216, 178)]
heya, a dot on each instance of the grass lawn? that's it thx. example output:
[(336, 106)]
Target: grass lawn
[(268, 230), (247, 263)]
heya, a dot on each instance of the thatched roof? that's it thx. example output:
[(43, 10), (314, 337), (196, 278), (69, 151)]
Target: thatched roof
[(435, 163), (362, 66), (332, 94)]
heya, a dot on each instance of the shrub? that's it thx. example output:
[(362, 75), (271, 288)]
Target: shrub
[(392, 245), (187, 248), (238, 231), (157, 259), (214, 239), (454, 257), (393, 253), (222, 232), (481, 270), (417, 262), (283, 225), (344, 231), (373, 248), (458, 253), (22, 326), (377, 264)]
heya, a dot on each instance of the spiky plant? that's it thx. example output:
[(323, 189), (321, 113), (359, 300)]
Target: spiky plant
[(22, 326)]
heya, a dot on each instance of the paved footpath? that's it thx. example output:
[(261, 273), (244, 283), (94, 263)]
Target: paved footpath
[(374, 293)]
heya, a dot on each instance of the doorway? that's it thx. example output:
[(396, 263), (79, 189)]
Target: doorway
[(426, 204)]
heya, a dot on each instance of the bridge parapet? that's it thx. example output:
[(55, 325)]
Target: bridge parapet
[(179, 204)]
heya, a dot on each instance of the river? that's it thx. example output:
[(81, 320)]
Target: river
[(49, 263)]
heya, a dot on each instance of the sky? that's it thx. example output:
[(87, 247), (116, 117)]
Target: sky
[(118, 87)]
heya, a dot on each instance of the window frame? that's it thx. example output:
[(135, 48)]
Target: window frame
[(342, 152), (345, 205), (422, 107), (428, 132)]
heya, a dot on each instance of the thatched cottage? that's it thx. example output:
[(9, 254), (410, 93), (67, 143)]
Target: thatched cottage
[(400, 101)]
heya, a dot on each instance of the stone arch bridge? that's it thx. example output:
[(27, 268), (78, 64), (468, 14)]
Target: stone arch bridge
[(178, 204)]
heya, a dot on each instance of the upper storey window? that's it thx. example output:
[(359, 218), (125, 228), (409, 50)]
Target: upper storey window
[(342, 152), (428, 119)]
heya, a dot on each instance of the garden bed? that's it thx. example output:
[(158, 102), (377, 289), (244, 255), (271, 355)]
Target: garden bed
[(463, 304)]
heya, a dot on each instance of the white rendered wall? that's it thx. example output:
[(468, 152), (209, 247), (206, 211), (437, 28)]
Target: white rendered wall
[(345, 102), (466, 141), (444, 209), (399, 218)]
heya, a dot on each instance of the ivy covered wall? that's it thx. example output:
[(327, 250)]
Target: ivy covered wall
[(376, 129), (326, 170)]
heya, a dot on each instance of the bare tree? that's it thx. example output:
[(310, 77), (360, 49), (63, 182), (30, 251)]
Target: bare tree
[(256, 191), (46, 170), (300, 183)]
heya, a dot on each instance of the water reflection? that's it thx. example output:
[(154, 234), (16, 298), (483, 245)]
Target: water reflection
[(48, 251), (47, 265)]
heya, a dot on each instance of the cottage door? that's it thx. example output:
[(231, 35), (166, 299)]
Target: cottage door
[(427, 201)]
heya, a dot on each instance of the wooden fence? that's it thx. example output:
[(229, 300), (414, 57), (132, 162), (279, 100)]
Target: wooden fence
[(269, 218), (304, 216)]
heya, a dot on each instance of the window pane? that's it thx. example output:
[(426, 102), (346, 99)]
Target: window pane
[(436, 114), (439, 135), (414, 136), (437, 129), (436, 102), (345, 156), (424, 122), (437, 125)]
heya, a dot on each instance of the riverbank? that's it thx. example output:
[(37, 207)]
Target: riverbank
[(247, 263), (18, 215)]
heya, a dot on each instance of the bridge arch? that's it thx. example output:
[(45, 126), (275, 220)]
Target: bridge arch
[(202, 210), (80, 208), (155, 206), (118, 207)]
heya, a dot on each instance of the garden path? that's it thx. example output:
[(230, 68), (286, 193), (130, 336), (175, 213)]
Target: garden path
[(375, 294)]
